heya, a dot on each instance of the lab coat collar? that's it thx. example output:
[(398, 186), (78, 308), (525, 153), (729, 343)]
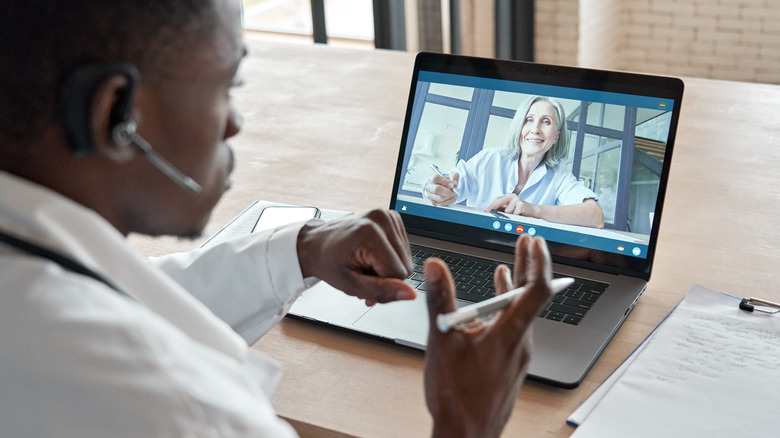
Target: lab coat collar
[(44, 217)]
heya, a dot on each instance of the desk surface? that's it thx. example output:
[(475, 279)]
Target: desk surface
[(323, 125)]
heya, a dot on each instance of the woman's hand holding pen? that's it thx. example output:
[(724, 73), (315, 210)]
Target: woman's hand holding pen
[(441, 189)]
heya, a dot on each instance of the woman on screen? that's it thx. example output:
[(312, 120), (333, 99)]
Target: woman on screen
[(526, 177)]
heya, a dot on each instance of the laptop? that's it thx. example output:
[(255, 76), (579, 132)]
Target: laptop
[(620, 129)]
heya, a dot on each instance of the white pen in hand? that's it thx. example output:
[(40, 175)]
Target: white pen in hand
[(445, 175), (447, 321)]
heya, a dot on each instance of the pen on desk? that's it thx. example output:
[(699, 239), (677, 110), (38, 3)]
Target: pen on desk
[(759, 305), (445, 175), (447, 321)]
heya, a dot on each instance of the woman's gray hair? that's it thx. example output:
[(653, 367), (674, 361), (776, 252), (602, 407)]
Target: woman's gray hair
[(558, 151)]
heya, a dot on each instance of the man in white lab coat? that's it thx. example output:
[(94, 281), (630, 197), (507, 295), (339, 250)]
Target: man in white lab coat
[(96, 340)]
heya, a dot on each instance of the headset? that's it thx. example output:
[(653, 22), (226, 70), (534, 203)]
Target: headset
[(75, 106)]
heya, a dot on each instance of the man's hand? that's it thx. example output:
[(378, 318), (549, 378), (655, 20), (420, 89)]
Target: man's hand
[(364, 255), (472, 376)]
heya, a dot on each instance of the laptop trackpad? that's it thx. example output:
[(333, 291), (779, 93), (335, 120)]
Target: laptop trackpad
[(404, 321)]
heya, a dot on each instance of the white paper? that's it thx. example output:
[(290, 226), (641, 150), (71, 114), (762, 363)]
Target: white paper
[(581, 414), (583, 411), (711, 370)]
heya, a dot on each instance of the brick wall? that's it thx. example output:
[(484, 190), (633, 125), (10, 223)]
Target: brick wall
[(722, 39), (556, 31)]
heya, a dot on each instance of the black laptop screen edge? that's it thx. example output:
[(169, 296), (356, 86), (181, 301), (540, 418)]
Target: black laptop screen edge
[(559, 76)]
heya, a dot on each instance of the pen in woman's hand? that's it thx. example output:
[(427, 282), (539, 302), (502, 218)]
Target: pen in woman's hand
[(442, 174)]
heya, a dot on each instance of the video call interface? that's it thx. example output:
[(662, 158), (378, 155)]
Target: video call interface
[(616, 144)]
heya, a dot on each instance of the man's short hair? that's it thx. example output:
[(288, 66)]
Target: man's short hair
[(43, 39)]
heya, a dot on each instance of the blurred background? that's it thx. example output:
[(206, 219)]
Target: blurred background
[(720, 39)]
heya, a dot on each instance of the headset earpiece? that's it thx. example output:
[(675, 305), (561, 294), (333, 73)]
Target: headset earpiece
[(76, 97), (75, 102), (123, 133)]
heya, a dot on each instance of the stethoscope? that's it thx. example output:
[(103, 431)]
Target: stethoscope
[(62, 260)]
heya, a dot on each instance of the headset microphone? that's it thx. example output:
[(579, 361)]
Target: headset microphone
[(124, 134), (75, 104)]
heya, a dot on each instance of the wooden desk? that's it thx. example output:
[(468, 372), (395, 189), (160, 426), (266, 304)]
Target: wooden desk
[(323, 126)]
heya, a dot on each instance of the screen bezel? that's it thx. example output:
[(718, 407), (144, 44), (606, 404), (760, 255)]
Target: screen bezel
[(563, 76)]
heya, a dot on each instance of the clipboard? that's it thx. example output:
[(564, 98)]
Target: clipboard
[(710, 369)]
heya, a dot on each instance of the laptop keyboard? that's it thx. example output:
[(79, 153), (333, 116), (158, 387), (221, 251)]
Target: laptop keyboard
[(570, 305), (474, 282)]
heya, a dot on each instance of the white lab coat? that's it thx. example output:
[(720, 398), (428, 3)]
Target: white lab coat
[(78, 359)]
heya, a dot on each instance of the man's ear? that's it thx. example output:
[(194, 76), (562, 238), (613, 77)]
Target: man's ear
[(107, 112), (93, 99)]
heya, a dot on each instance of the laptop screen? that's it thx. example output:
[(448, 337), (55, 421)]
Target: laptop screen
[(473, 120)]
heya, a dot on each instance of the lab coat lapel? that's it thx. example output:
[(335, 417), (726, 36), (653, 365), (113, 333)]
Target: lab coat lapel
[(80, 233)]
